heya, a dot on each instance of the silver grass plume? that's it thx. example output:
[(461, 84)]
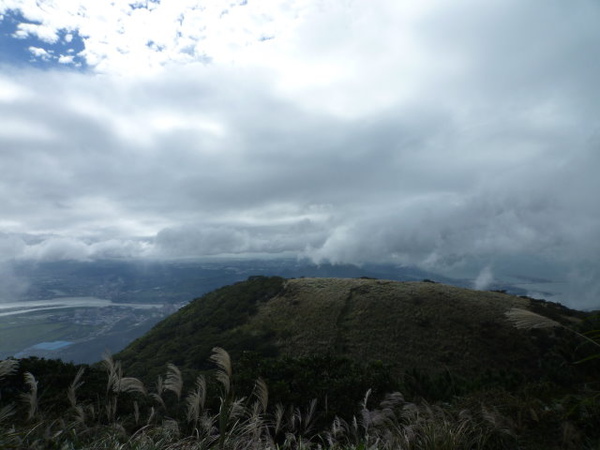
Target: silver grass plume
[(223, 362), (174, 380), (151, 416), (115, 373), (278, 418), (7, 411), (31, 397), (227, 408), (79, 414), (111, 408), (527, 320), (8, 367), (238, 409), (308, 418), (159, 384), (195, 400), (129, 384)]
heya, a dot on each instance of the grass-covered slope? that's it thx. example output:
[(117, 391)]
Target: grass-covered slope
[(411, 325), (187, 337)]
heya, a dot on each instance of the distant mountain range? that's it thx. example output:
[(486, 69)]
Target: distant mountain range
[(182, 280)]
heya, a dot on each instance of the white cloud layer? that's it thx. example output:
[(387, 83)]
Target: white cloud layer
[(424, 133)]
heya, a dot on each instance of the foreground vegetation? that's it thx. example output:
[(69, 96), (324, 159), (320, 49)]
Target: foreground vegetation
[(81, 407)]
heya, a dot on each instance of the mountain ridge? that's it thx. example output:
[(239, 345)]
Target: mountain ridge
[(412, 325)]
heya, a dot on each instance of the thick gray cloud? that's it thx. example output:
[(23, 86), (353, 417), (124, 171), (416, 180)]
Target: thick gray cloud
[(460, 137), (262, 240)]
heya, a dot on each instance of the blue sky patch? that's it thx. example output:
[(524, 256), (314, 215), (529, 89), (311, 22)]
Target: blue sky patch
[(31, 50)]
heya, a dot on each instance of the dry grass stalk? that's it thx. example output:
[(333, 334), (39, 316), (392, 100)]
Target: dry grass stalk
[(278, 419), (261, 391), (160, 388), (136, 412), (76, 384)]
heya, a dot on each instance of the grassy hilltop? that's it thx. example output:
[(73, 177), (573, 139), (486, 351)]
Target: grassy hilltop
[(324, 363), (426, 326)]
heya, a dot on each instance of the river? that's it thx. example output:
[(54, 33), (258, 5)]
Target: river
[(23, 307)]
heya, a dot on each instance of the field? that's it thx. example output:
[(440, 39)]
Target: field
[(91, 330), (22, 331)]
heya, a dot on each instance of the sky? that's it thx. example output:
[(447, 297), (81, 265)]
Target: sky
[(461, 137)]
